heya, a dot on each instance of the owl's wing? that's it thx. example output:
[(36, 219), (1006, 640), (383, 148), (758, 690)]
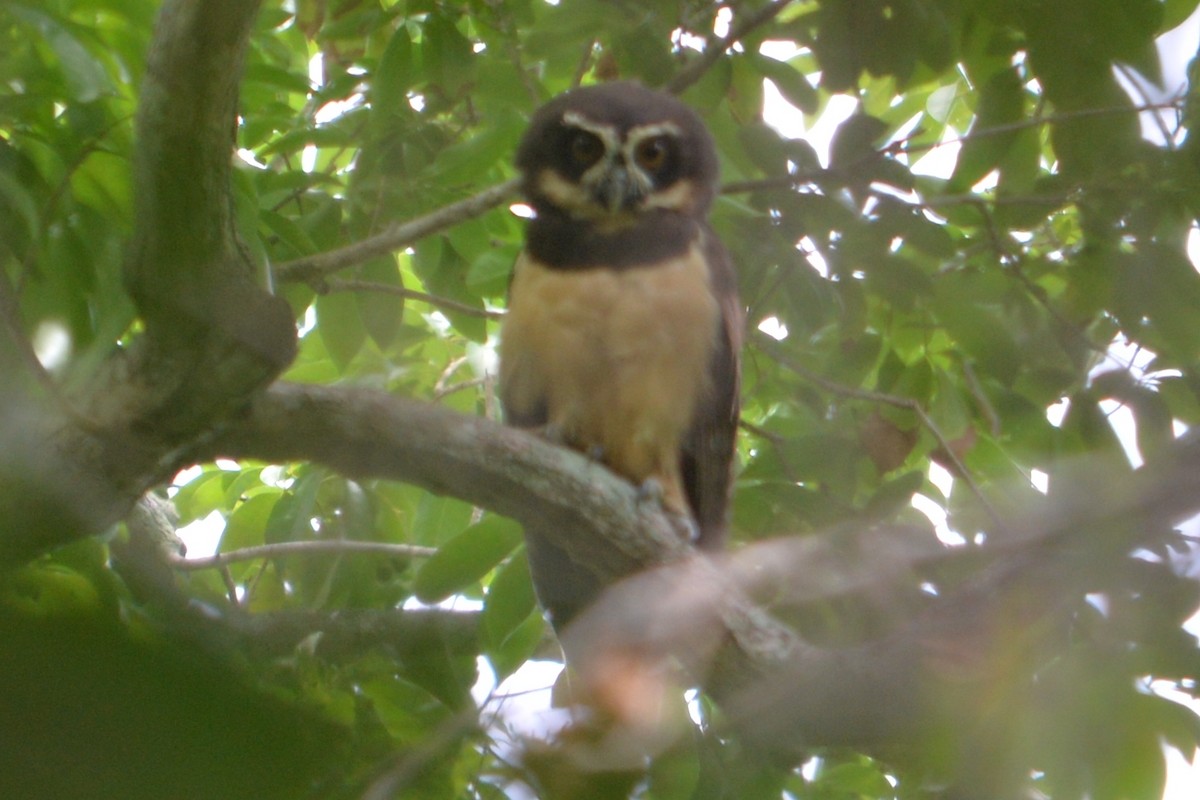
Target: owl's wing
[(708, 448)]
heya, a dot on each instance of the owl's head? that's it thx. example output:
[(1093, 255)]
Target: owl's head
[(612, 151)]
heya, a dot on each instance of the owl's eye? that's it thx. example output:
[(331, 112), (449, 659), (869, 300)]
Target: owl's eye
[(651, 154), (586, 148)]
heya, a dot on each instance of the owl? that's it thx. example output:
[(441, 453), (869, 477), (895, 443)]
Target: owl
[(623, 329)]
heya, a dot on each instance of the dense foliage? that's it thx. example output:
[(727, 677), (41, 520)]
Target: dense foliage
[(915, 319)]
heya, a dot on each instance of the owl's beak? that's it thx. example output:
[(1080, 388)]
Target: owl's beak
[(619, 188)]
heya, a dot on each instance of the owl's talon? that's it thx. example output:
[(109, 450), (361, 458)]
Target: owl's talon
[(688, 530), (650, 490), (553, 432)]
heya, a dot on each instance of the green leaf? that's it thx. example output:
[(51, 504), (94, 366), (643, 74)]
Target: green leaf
[(466, 558), (103, 182), (980, 331), (248, 522), (677, 773), (489, 273), (393, 77), (440, 518), (405, 709), (86, 76), (382, 312), (853, 144), (15, 197), (643, 53), (289, 232), (275, 77), (855, 780), (1157, 295), (291, 517), (1175, 13), (794, 87), (340, 326), (1001, 103), (510, 599), (200, 496), (895, 495), (745, 95), (446, 54), (474, 157), (766, 148), (518, 646), (916, 229)]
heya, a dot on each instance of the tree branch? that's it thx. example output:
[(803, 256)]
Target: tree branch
[(302, 548), (351, 632), (212, 335), (213, 332), (339, 285), (311, 268), (192, 282), (703, 613), (363, 433)]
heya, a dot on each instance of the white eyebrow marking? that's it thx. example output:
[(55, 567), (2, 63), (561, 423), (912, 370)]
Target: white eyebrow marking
[(605, 133), (640, 132)]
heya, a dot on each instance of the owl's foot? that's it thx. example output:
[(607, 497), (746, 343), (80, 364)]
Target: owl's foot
[(553, 432), (556, 434), (651, 491)]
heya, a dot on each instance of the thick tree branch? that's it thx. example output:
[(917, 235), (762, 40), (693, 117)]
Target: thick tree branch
[(940, 666), (212, 335), (704, 614), (351, 633), (364, 433), (213, 331)]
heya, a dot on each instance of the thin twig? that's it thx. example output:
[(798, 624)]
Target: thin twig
[(514, 55), (307, 548), (901, 146), (776, 182), (396, 237), (338, 285), (981, 400), (413, 762), (443, 388), (231, 589), (450, 369), (445, 391), (1133, 79), (585, 63), (777, 444), (695, 70)]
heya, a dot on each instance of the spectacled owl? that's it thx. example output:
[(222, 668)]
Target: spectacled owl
[(623, 329)]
